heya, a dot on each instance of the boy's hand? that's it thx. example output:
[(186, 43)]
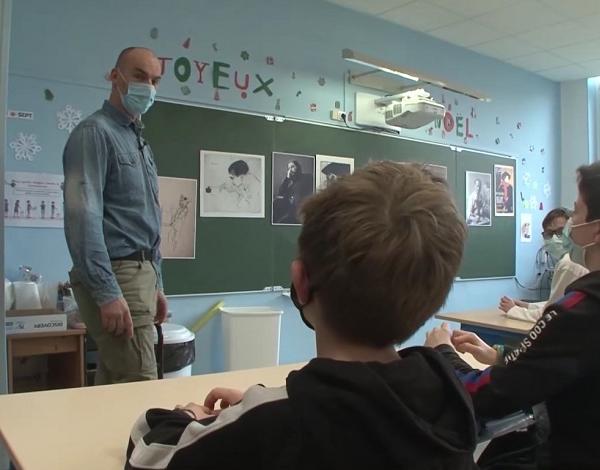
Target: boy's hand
[(506, 303), (198, 411), (439, 335), (467, 342), (227, 396)]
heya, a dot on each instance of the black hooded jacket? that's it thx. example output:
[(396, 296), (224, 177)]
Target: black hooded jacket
[(558, 363), (409, 414)]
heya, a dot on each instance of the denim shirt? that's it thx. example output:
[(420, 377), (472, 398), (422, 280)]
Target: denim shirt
[(111, 199)]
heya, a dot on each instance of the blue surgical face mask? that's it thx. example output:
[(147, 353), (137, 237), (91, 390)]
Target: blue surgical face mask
[(576, 252), (555, 247), (139, 97)]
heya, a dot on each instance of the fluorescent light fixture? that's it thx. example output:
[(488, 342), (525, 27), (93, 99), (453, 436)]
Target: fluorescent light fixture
[(367, 61), (382, 66)]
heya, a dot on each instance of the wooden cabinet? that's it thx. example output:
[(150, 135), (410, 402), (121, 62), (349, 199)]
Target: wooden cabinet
[(65, 353)]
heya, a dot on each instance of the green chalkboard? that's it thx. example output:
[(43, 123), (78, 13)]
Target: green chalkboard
[(251, 254)]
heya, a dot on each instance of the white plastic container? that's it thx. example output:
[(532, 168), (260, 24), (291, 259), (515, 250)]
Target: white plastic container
[(251, 337), (27, 295), (178, 350)]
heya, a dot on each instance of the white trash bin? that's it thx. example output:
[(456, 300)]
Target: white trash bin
[(179, 350), (251, 337)]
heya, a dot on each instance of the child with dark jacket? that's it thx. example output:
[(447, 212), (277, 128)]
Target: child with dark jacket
[(378, 253), (558, 362)]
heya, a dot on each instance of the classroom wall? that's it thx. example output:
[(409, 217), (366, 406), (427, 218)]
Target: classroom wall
[(67, 46), (576, 131)]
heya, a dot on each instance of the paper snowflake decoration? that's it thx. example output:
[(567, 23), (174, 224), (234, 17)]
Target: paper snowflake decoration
[(527, 179), (68, 118), (534, 185), (25, 146), (547, 190), (533, 202)]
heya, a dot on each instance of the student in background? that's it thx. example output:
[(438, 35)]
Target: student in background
[(565, 270), (558, 362), (112, 223), (359, 404)]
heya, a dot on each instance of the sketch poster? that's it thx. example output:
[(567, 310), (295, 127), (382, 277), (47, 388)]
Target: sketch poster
[(439, 171), (479, 198), (177, 198), (232, 184), (293, 182), (330, 168), (504, 178), (526, 228), (33, 199)]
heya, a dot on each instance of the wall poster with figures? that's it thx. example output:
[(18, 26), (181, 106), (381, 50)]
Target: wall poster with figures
[(33, 199), (177, 198)]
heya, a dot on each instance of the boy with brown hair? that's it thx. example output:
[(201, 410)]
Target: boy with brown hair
[(378, 253)]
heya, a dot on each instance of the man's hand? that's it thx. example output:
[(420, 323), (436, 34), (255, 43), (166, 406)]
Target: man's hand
[(116, 318), (439, 335), (468, 342), (161, 307), (228, 397), (198, 411), (506, 303)]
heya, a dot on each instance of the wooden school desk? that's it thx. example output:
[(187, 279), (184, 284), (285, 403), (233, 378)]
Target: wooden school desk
[(88, 428), (490, 325)]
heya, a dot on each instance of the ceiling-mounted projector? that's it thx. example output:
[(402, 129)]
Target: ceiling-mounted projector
[(411, 109)]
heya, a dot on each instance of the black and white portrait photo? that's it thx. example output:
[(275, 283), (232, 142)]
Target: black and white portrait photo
[(293, 182), (479, 198)]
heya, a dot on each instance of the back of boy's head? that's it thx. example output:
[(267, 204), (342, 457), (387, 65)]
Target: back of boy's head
[(381, 248), (588, 183)]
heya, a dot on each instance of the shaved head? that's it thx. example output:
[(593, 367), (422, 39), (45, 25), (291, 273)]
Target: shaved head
[(125, 53)]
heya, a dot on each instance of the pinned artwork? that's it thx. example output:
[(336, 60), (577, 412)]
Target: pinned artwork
[(244, 55), (298, 93), (479, 198), (497, 140), (313, 107), (177, 200), (531, 148), (330, 168), (321, 81), (525, 228), (68, 118), (350, 116), (33, 199), (13, 114), (48, 95), (541, 206), (25, 147), (542, 151), (270, 60), (523, 161), (543, 169), (337, 105), (154, 33), (504, 196), (232, 185), (547, 190), (519, 125), (293, 181)]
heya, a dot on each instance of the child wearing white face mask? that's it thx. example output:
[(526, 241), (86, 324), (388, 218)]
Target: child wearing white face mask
[(558, 362), (565, 272)]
